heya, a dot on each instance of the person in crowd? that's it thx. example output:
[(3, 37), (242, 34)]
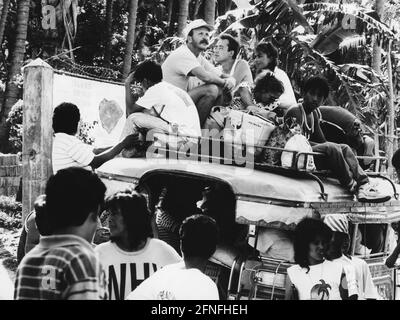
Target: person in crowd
[(163, 107), (396, 163), (392, 259), (338, 252), (313, 277), (185, 280), (132, 254), (266, 60), (36, 224), (341, 126), (64, 266), (336, 157), (187, 61), (226, 54), (69, 151)]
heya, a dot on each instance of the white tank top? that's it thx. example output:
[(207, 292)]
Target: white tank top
[(320, 283)]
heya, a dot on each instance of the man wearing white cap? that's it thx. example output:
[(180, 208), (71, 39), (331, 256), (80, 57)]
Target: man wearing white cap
[(338, 248), (187, 61)]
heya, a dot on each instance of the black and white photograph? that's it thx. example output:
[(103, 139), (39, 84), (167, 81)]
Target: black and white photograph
[(211, 153)]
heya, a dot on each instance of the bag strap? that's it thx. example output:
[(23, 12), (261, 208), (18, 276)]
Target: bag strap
[(159, 113)]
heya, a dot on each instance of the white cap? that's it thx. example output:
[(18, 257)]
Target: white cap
[(337, 222), (195, 24)]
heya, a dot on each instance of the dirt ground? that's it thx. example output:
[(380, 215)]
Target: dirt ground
[(8, 260)]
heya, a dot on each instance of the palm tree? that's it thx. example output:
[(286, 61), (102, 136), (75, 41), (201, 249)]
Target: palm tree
[(209, 11), (3, 19), (182, 16), (377, 52), (109, 20), (324, 289), (130, 37), (12, 91)]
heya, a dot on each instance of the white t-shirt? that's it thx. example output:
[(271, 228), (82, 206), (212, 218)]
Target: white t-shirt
[(126, 270), (321, 282), (175, 282), (274, 243), (179, 107), (180, 62), (69, 151), (366, 287)]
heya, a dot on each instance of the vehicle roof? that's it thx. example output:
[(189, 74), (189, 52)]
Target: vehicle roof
[(245, 182)]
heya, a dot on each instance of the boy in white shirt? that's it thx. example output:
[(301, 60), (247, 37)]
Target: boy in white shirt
[(132, 254), (185, 280), (338, 248)]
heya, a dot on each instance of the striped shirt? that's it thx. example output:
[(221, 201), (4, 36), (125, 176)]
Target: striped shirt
[(61, 267), (69, 151)]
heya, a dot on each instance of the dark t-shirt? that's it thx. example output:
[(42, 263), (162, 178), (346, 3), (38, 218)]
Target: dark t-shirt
[(339, 116)]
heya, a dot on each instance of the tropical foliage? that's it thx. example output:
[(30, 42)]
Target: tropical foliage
[(314, 38)]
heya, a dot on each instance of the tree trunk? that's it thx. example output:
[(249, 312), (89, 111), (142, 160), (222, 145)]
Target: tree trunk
[(171, 5), (196, 9), (209, 11), (17, 57), (130, 37), (3, 19), (376, 52), (109, 20), (182, 16)]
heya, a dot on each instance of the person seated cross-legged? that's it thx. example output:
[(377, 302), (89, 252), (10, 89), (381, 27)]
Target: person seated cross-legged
[(164, 108), (187, 62), (339, 158)]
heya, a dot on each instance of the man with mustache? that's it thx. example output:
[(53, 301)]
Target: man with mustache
[(339, 158), (187, 61)]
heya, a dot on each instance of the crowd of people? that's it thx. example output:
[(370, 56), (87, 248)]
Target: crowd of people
[(180, 97)]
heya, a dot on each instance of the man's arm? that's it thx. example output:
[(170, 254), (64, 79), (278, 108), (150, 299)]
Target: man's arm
[(210, 77), (100, 150), (127, 142)]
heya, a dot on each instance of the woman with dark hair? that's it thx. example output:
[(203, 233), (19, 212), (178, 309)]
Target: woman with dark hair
[(131, 255), (266, 60), (314, 277)]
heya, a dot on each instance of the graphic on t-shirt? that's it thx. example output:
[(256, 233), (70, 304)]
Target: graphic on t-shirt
[(119, 288), (320, 291)]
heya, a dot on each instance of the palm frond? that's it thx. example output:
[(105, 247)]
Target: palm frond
[(364, 24)]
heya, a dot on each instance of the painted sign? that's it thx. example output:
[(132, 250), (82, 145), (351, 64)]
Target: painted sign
[(101, 104)]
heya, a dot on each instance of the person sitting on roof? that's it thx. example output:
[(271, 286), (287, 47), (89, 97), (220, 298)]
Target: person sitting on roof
[(226, 54), (187, 61), (341, 126), (163, 108), (266, 61), (336, 157)]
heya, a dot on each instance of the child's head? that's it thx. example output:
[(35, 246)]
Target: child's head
[(66, 118), (311, 241), (267, 88), (129, 217), (199, 236), (340, 242), (315, 92), (148, 73), (73, 199), (266, 56)]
